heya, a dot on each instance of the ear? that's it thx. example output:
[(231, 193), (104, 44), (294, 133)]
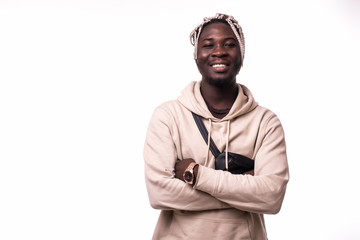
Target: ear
[(197, 62)]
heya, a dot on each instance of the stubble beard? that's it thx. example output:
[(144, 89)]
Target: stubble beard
[(221, 82)]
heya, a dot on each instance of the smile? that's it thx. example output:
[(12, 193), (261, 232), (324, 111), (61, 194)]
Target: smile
[(218, 65)]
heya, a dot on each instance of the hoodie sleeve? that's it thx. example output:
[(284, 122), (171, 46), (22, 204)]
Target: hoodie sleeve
[(261, 193), (164, 190)]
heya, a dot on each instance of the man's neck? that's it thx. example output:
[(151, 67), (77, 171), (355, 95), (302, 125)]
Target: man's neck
[(219, 97)]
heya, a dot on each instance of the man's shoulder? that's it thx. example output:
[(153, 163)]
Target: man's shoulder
[(262, 113), (169, 106), (267, 118)]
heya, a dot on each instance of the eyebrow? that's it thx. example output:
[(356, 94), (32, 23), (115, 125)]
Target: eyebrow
[(210, 39)]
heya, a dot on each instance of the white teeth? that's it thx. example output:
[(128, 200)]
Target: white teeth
[(218, 65)]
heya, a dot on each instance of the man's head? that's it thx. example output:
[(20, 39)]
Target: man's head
[(218, 50), (236, 28)]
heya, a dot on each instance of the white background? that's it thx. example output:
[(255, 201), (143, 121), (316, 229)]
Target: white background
[(79, 81)]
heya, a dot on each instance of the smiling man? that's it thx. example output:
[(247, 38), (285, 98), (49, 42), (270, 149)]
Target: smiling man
[(215, 161), (218, 56)]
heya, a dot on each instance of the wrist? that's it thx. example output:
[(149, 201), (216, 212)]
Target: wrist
[(189, 173)]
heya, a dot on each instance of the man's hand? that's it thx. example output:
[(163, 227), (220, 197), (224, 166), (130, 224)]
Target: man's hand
[(181, 166), (251, 172)]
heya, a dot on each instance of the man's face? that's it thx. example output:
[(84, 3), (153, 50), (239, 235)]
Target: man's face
[(218, 54)]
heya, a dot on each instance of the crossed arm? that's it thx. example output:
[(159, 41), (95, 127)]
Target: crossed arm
[(182, 165), (214, 189)]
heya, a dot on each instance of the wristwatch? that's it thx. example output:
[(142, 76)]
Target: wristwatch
[(189, 173)]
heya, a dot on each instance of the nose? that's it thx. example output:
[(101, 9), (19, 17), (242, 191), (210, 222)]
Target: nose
[(219, 51)]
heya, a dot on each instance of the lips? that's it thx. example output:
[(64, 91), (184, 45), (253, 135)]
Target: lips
[(219, 67)]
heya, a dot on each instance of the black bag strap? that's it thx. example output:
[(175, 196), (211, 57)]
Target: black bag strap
[(204, 133)]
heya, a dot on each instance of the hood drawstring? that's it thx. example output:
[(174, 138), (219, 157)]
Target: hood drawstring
[(227, 144)]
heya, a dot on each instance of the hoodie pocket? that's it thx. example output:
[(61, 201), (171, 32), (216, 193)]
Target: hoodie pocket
[(209, 225)]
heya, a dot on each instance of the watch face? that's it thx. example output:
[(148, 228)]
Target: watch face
[(188, 176)]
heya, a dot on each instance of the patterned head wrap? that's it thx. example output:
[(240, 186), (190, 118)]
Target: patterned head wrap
[(195, 34)]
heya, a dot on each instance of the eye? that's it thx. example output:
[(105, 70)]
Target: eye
[(208, 45), (231, 45)]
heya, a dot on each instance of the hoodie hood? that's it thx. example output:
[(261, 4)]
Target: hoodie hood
[(192, 99)]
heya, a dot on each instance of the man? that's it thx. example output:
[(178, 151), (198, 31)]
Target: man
[(197, 200)]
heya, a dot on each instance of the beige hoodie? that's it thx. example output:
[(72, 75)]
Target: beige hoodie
[(221, 205)]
